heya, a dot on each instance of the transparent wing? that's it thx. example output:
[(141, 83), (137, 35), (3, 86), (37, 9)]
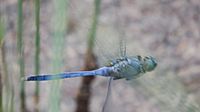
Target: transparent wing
[(107, 47), (166, 92), (161, 90)]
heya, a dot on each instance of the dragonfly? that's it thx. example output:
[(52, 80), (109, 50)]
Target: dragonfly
[(124, 67)]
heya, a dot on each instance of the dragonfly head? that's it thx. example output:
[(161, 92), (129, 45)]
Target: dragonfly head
[(149, 63)]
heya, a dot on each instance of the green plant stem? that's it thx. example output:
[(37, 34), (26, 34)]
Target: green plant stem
[(20, 50), (1, 85), (37, 51), (59, 21), (7, 93), (92, 33), (1, 67), (7, 89)]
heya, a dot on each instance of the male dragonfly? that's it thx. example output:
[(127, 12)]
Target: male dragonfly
[(124, 67)]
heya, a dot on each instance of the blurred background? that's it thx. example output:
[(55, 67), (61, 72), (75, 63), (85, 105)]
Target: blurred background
[(49, 36)]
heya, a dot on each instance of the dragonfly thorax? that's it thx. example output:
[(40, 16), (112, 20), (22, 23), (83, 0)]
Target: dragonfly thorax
[(131, 67)]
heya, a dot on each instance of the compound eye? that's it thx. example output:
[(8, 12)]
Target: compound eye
[(150, 63)]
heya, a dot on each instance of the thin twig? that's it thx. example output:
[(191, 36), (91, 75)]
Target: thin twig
[(20, 49), (108, 94), (37, 51)]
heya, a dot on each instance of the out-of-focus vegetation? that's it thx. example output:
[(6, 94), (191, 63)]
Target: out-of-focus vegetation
[(59, 22), (37, 52), (7, 90), (20, 55), (166, 29), (1, 84)]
